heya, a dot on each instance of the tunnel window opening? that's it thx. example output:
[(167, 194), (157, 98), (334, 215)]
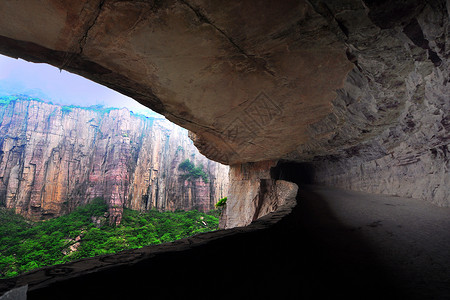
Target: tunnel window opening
[(87, 171), (299, 173)]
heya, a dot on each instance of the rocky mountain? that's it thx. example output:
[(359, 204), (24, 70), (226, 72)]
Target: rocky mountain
[(54, 158)]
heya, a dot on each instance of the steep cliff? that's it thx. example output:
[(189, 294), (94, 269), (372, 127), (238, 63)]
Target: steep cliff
[(54, 158)]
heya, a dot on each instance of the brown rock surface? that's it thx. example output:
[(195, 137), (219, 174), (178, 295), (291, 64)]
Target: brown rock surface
[(54, 159), (254, 193), (229, 80), (354, 87), (357, 88)]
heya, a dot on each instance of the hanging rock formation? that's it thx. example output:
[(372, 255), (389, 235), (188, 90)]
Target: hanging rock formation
[(358, 88), (54, 158)]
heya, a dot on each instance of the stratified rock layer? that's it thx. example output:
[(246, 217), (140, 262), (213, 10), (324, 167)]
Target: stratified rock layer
[(55, 158)]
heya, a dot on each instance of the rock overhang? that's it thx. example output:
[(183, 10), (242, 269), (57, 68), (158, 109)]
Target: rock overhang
[(238, 75), (347, 85), (360, 88)]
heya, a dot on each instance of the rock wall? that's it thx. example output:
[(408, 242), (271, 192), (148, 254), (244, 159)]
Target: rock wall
[(253, 193), (422, 175), (389, 130), (54, 158)]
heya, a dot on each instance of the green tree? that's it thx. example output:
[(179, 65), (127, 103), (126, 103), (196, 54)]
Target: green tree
[(26, 245), (192, 172)]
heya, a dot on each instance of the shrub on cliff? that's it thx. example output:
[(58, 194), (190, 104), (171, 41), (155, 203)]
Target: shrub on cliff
[(192, 172), (186, 165), (66, 109), (221, 202)]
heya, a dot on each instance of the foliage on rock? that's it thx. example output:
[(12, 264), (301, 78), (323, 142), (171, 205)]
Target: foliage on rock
[(192, 172), (221, 202)]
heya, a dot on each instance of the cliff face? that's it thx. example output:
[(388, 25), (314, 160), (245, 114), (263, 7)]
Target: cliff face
[(254, 193), (55, 158)]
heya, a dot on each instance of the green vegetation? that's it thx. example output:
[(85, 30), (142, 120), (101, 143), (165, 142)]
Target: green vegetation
[(97, 108), (66, 109), (5, 100), (192, 172), (26, 245), (221, 202)]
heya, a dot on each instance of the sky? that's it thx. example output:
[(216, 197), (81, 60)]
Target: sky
[(48, 83)]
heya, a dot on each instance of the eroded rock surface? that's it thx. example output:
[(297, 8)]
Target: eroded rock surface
[(356, 87), (253, 193), (237, 74), (391, 119), (55, 158)]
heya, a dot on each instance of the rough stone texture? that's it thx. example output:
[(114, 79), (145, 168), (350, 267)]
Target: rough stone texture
[(253, 193), (52, 160), (228, 71), (351, 85), (19, 293), (422, 175), (391, 119)]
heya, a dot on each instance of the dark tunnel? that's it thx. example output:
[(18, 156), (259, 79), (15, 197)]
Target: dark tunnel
[(299, 173)]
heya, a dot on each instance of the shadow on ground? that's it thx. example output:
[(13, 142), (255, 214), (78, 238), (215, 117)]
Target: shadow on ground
[(307, 255)]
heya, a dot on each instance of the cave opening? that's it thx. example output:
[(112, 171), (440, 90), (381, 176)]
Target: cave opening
[(360, 85), (300, 173), (76, 152)]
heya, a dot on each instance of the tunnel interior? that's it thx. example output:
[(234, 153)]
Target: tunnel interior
[(388, 85), (299, 173)]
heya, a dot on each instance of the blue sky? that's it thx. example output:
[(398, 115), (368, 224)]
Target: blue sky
[(49, 83)]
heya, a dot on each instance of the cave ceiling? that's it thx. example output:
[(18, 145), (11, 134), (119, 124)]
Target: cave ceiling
[(252, 80)]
